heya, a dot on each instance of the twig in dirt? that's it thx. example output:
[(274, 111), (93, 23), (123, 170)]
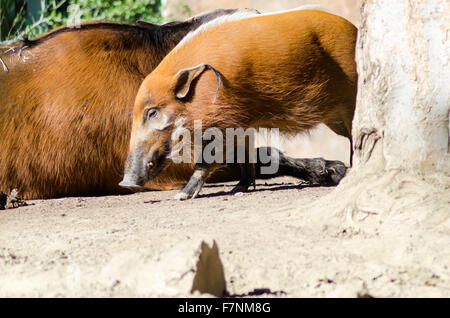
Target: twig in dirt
[(11, 201), (256, 292)]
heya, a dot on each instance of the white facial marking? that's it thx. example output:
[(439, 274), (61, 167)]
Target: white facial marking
[(149, 127)]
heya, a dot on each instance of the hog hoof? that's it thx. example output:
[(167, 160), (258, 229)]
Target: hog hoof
[(336, 170), (180, 196), (239, 189)]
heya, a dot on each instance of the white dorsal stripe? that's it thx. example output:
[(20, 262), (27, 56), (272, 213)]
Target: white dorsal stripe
[(240, 15)]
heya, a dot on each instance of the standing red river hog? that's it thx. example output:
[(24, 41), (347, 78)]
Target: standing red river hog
[(289, 70), (66, 103)]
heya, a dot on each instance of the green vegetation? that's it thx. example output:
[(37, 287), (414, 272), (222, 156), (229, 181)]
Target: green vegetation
[(19, 19)]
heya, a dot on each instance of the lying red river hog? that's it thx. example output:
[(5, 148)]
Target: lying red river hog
[(66, 102), (290, 70)]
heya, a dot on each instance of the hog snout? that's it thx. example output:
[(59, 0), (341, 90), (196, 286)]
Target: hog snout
[(140, 168), (136, 171), (131, 182)]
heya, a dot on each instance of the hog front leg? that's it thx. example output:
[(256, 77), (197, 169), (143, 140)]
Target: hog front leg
[(196, 182), (248, 173)]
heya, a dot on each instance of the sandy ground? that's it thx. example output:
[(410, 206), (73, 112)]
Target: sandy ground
[(82, 247), (271, 239)]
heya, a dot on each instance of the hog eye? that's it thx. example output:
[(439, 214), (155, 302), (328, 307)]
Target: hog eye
[(152, 113)]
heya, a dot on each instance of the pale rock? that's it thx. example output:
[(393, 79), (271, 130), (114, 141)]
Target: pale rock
[(190, 267)]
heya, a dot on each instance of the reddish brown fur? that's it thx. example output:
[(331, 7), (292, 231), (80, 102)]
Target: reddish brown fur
[(65, 113), (290, 71)]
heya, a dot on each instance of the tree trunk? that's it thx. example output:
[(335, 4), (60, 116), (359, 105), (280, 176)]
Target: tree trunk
[(404, 74), (401, 162)]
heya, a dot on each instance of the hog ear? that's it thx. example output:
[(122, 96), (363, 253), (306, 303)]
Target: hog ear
[(185, 77)]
